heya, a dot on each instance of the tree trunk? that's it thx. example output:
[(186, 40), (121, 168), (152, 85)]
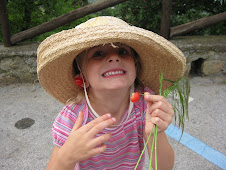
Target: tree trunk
[(4, 21), (198, 24), (63, 19), (165, 22), (28, 8)]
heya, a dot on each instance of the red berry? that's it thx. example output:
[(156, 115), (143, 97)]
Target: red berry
[(78, 81), (135, 97)]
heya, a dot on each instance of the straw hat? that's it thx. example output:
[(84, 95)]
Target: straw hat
[(57, 52)]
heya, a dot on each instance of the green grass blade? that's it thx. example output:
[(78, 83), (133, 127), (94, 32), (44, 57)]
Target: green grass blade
[(143, 149), (152, 148), (156, 133)]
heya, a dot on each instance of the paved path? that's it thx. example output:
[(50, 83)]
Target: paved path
[(30, 148)]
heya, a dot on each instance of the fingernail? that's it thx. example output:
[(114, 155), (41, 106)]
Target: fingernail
[(146, 95), (114, 119), (108, 115)]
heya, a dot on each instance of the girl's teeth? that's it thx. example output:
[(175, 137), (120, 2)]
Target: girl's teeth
[(113, 73)]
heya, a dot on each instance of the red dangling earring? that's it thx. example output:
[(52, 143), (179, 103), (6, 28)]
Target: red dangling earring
[(78, 81)]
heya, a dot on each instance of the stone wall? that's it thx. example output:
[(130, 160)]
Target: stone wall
[(18, 63), (205, 56)]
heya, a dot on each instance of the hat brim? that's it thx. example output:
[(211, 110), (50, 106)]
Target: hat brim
[(57, 52)]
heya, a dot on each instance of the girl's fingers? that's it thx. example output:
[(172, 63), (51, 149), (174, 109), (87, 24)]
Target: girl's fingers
[(167, 108), (98, 124), (102, 125), (98, 150), (160, 123), (94, 122), (162, 115), (158, 102), (154, 98), (159, 111), (100, 140), (78, 122)]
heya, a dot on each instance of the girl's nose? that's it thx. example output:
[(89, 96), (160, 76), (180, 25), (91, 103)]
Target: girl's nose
[(113, 58)]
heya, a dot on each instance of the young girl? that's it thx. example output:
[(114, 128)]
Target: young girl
[(100, 128)]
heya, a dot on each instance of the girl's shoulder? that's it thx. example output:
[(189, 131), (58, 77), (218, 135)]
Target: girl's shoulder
[(74, 107), (65, 121), (71, 111)]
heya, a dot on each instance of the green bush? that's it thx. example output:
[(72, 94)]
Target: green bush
[(25, 14), (142, 13), (191, 10), (146, 14)]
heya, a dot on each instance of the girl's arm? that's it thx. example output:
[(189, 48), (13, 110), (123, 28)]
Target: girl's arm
[(159, 112), (81, 143), (57, 161)]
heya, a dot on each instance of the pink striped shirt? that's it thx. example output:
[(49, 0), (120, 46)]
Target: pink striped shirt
[(123, 148)]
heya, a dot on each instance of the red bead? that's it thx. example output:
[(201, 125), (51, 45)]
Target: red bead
[(78, 81)]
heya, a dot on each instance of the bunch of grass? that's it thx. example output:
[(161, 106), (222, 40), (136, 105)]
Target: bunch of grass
[(179, 94)]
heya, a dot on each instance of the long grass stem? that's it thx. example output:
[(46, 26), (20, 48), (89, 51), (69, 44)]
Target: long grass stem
[(156, 131), (152, 148), (143, 149)]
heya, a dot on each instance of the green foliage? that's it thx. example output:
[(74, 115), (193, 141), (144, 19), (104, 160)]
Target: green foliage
[(25, 14), (178, 95), (190, 10), (142, 13), (146, 14)]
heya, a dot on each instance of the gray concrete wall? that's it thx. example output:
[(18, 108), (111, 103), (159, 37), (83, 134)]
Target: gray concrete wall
[(206, 55)]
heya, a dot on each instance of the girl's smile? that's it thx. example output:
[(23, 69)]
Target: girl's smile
[(116, 72)]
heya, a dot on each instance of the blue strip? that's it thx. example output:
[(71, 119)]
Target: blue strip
[(197, 146)]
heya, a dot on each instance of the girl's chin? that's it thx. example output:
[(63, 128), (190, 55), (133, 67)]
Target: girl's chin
[(113, 85), (117, 86)]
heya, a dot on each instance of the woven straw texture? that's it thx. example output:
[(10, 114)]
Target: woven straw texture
[(57, 52)]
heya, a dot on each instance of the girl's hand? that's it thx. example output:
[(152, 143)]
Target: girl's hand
[(159, 112), (82, 143)]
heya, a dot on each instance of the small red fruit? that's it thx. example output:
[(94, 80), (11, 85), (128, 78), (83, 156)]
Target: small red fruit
[(78, 81), (135, 97)]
